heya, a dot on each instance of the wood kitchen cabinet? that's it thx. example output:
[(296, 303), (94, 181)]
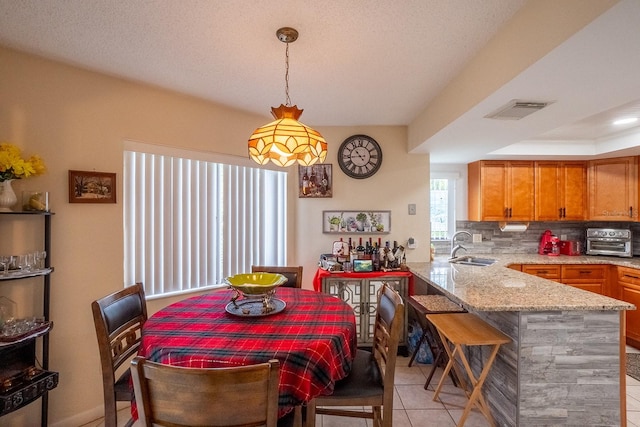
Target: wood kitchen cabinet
[(588, 277), (560, 191), (501, 190), (546, 271), (628, 290), (613, 189)]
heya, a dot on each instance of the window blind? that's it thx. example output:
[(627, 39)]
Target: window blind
[(190, 223)]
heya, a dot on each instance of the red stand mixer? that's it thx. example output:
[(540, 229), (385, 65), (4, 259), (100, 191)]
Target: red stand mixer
[(546, 245)]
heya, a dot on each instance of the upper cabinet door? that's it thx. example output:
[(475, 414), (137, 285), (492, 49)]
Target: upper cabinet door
[(521, 195), (574, 191), (501, 190), (613, 189), (561, 191)]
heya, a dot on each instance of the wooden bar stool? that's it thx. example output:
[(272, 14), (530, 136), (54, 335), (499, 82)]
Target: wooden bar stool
[(466, 329), (432, 304)]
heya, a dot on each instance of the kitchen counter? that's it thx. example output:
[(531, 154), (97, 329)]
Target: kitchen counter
[(565, 364), (498, 288)]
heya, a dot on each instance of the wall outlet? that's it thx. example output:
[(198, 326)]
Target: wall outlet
[(412, 209), (477, 238), (563, 237)]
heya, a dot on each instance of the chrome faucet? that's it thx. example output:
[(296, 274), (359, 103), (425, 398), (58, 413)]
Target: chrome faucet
[(455, 248)]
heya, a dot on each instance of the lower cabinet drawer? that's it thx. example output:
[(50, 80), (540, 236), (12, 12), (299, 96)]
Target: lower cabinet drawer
[(551, 272), (577, 271)]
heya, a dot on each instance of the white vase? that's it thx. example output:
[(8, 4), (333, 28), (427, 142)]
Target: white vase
[(8, 197)]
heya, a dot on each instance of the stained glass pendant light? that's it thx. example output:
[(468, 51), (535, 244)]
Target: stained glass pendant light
[(286, 140)]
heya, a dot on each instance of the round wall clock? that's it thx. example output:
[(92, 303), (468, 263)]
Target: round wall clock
[(360, 156)]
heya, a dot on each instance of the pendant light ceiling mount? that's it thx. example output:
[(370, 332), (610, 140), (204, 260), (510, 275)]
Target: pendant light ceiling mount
[(286, 140), (287, 34)]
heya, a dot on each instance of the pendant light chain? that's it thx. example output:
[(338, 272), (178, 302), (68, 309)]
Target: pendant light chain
[(286, 77), (286, 141)]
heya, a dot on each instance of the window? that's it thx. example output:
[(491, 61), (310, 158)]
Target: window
[(442, 202), (189, 223)]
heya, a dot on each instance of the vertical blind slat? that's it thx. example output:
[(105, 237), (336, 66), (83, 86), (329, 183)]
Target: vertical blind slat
[(191, 223)]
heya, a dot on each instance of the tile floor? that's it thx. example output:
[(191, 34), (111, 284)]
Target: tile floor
[(414, 407)]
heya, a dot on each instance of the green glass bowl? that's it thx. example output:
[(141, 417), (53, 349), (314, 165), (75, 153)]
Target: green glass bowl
[(255, 283)]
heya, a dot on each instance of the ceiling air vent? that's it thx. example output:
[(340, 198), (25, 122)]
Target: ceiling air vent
[(516, 109)]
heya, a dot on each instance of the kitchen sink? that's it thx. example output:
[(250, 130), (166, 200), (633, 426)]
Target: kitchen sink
[(472, 260)]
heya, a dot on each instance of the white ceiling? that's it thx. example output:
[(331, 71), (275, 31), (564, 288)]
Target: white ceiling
[(356, 62)]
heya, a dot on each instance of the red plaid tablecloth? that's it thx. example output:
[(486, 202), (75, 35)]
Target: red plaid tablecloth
[(314, 339)]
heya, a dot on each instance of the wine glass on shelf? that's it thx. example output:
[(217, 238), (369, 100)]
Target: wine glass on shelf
[(25, 262), (5, 261), (40, 256)]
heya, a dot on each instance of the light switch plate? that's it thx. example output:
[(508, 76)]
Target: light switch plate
[(412, 209)]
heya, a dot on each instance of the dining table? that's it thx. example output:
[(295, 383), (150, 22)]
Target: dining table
[(312, 334)]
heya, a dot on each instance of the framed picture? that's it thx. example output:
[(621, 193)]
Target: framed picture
[(92, 187), (367, 222), (315, 181)]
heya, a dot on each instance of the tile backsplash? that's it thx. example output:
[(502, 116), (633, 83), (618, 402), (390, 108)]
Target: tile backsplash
[(496, 241)]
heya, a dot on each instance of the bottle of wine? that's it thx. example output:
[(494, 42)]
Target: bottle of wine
[(376, 258), (324, 182), (305, 183), (360, 249), (351, 257), (313, 183)]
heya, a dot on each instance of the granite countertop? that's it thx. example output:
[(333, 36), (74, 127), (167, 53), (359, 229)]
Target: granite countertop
[(498, 288)]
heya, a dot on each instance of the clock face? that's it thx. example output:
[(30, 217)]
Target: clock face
[(359, 156)]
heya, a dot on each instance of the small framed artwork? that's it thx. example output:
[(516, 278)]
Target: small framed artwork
[(315, 181), (367, 222), (92, 187)]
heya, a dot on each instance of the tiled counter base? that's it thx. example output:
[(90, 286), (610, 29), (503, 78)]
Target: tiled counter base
[(562, 368), (563, 364)]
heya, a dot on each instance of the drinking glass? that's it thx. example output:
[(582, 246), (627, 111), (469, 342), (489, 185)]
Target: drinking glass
[(5, 260), (25, 262), (40, 256)]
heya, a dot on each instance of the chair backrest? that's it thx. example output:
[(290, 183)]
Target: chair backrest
[(179, 396), (118, 319), (386, 336), (293, 274)]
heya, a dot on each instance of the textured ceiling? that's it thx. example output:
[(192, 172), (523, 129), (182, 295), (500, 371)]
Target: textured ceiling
[(356, 62)]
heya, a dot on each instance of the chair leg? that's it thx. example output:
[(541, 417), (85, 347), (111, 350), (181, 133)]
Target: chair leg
[(436, 362), (310, 418), (297, 416), (415, 352), (440, 356)]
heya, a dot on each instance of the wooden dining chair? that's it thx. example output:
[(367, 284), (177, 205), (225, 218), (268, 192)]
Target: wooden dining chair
[(179, 396), (118, 320), (371, 380), (293, 274)]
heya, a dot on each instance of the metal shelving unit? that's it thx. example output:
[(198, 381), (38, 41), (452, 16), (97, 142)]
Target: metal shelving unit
[(21, 381)]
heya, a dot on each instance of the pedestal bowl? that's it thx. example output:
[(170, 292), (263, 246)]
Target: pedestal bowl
[(255, 287)]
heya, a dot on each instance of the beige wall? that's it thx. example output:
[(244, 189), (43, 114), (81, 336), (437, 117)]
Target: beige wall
[(77, 119)]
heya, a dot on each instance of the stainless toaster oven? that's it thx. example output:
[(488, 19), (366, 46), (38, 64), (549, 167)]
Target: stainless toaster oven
[(609, 241)]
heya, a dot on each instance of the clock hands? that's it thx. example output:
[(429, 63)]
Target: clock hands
[(358, 153)]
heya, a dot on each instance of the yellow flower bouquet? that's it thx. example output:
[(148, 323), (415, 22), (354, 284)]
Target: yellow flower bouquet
[(13, 166)]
